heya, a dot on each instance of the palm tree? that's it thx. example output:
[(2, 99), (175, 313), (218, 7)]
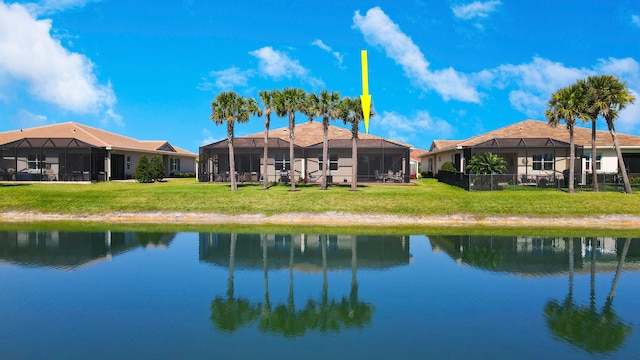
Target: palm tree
[(230, 107), (486, 164), (567, 104), (350, 111), (611, 96), (590, 114), (325, 105), (267, 98), (286, 103)]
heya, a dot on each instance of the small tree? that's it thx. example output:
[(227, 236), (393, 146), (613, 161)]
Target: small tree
[(156, 168), (486, 164), (143, 173)]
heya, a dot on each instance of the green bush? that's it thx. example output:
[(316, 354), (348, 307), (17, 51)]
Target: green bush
[(448, 166), (143, 173), (156, 168)]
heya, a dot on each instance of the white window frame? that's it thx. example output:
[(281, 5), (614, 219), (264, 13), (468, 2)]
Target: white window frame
[(333, 162), (175, 164), (545, 162), (587, 162), (282, 161)]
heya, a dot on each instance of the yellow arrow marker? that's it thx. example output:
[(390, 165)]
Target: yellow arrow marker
[(365, 98)]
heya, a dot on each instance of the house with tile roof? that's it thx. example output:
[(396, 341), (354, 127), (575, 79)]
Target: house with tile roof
[(376, 155), (533, 148), (75, 152)]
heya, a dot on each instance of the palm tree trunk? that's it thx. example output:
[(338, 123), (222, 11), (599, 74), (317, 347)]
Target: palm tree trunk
[(592, 295), (325, 155), (265, 154), (232, 258), (265, 269), (325, 282), (571, 267), (572, 161), (232, 165), (593, 155), (292, 157), (623, 168), (354, 165), (614, 285)]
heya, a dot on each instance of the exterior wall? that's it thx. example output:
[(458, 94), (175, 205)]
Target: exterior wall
[(523, 160), (187, 164), (438, 159), (314, 172)]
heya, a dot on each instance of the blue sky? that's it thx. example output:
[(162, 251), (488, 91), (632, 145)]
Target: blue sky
[(437, 69)]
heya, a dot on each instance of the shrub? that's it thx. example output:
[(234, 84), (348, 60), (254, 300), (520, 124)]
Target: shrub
[(448, 166), (156, 168), (143, 173)]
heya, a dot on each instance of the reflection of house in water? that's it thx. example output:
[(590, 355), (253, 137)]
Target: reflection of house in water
[(69, 250), (374, 252), (536, 255)]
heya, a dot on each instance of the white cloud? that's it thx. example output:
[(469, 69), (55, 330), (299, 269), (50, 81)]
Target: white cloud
[(52, 74), (528, 103), (278, 65), (48, 7), (408, 129), (379, 30), (209, 138), (475, 9), (627, 69), (319, 43), (542, 75), (226, 79), (635, 19), (26, 119), (629, 120), (534, 82)]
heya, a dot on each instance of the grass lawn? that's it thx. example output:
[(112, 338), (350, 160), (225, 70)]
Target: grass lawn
[(426, 197)]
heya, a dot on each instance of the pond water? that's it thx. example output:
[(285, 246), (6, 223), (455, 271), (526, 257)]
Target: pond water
[(108, 294)]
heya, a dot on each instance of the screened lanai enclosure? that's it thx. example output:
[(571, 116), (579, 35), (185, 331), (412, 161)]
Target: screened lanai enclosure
[(52, 159), (378, 160)]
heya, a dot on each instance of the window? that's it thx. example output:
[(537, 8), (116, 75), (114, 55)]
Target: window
[(587, 163), (34, 161), (333, 161), (128, 162), (175, 164), (282, 162), (543, 161)]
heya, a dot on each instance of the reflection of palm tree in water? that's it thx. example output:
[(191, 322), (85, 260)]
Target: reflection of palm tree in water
[(583, 326), (230, 313), (265, 320), (328, 315)]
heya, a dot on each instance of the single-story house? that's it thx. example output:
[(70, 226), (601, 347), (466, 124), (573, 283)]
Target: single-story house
[(75, 152), (533, 148), (377, 156)]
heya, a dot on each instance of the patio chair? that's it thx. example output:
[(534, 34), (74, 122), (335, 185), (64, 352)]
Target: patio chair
[(378, 177)]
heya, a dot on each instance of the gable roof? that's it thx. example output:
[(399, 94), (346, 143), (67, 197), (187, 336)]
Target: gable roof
[(312, 133), (92, 136), (528, 129)]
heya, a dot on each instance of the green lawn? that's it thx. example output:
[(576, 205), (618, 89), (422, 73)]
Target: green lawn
[(426, 197)]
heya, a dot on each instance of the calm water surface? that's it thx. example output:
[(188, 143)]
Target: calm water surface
[(107, 295)]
